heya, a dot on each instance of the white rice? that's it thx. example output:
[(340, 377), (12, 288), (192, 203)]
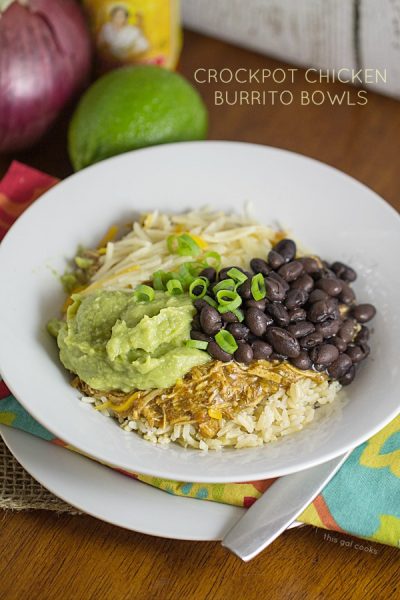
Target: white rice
[(278, 415)]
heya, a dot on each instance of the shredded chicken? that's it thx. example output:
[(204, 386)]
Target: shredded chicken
[(205, 395)]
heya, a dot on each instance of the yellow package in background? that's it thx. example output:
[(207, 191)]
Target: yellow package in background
[(135, 32)]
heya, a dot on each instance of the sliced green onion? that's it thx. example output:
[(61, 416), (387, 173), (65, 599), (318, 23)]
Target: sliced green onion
[(184, 245), (258, 290), (238, 314), (226, 308), (185, 275), (238, 284), (237, 275), (187, 246), (225, 284), (144, 293), (226, 341), (227, 296), (172, 244), (210, 301), (199, 282), (174, 287), (195, 268), (228, 300), (158, 280), (216, 258), (188, 272), (200, 345), (82, 262)]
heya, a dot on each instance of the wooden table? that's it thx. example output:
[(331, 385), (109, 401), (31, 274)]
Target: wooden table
[(79, 558)]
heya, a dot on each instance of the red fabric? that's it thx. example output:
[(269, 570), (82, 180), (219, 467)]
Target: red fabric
[(20, 186), (4, 391), (248, 501)]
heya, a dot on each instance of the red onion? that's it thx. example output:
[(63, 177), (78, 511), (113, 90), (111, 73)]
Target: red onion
[(45, 57)]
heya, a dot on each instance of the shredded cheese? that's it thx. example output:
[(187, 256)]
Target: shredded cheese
[(214, 413), (109, 236), (98, 284), (119, 408)]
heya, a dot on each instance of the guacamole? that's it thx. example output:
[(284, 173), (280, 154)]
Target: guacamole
[(113, 342)]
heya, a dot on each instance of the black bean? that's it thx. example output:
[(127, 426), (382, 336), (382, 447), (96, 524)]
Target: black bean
[(210, 273), (229, 317), (365, 348), (244, 290), (217, 352), (356, 353), (256, 321), (244, 353), (295, 298), (275, 260), (346, 331), (362, 335), (197, 290), (325, 272), (260, 304), (200, 303), (223, 273), (302, 361), (364, 312), (319, 367), (347, 295), (284, 283), (297, 314), (259, 265), (329, 328), (339, 343), (341, 365), (324, 354), (279, 314), (239, 331), (331, 286), (261, 350), (338, 313), (283, 342), (311, 340), (322, 310), (291, 271), (301, 329), (310, 264), (196, 322), (304, 282), (275, 289), (344, 271), (210, 320), (287, 249), (200, 335), (317, 295), (348, 377), (279, 357)]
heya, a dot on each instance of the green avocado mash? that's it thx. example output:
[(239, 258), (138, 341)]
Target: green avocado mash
[(113, 342)]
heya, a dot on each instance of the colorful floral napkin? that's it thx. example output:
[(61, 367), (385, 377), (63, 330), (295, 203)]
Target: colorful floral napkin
[(363, 498)]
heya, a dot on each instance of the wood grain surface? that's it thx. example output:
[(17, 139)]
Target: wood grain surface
[(45, 556)]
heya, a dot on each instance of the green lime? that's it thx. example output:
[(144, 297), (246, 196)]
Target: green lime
[(133, 107)]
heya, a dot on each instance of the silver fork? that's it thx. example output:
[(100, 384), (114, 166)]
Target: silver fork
[(277, 508)]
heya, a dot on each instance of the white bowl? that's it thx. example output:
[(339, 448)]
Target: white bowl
[(330, 212)]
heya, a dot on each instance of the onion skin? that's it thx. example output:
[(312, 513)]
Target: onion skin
[(45, 59)]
